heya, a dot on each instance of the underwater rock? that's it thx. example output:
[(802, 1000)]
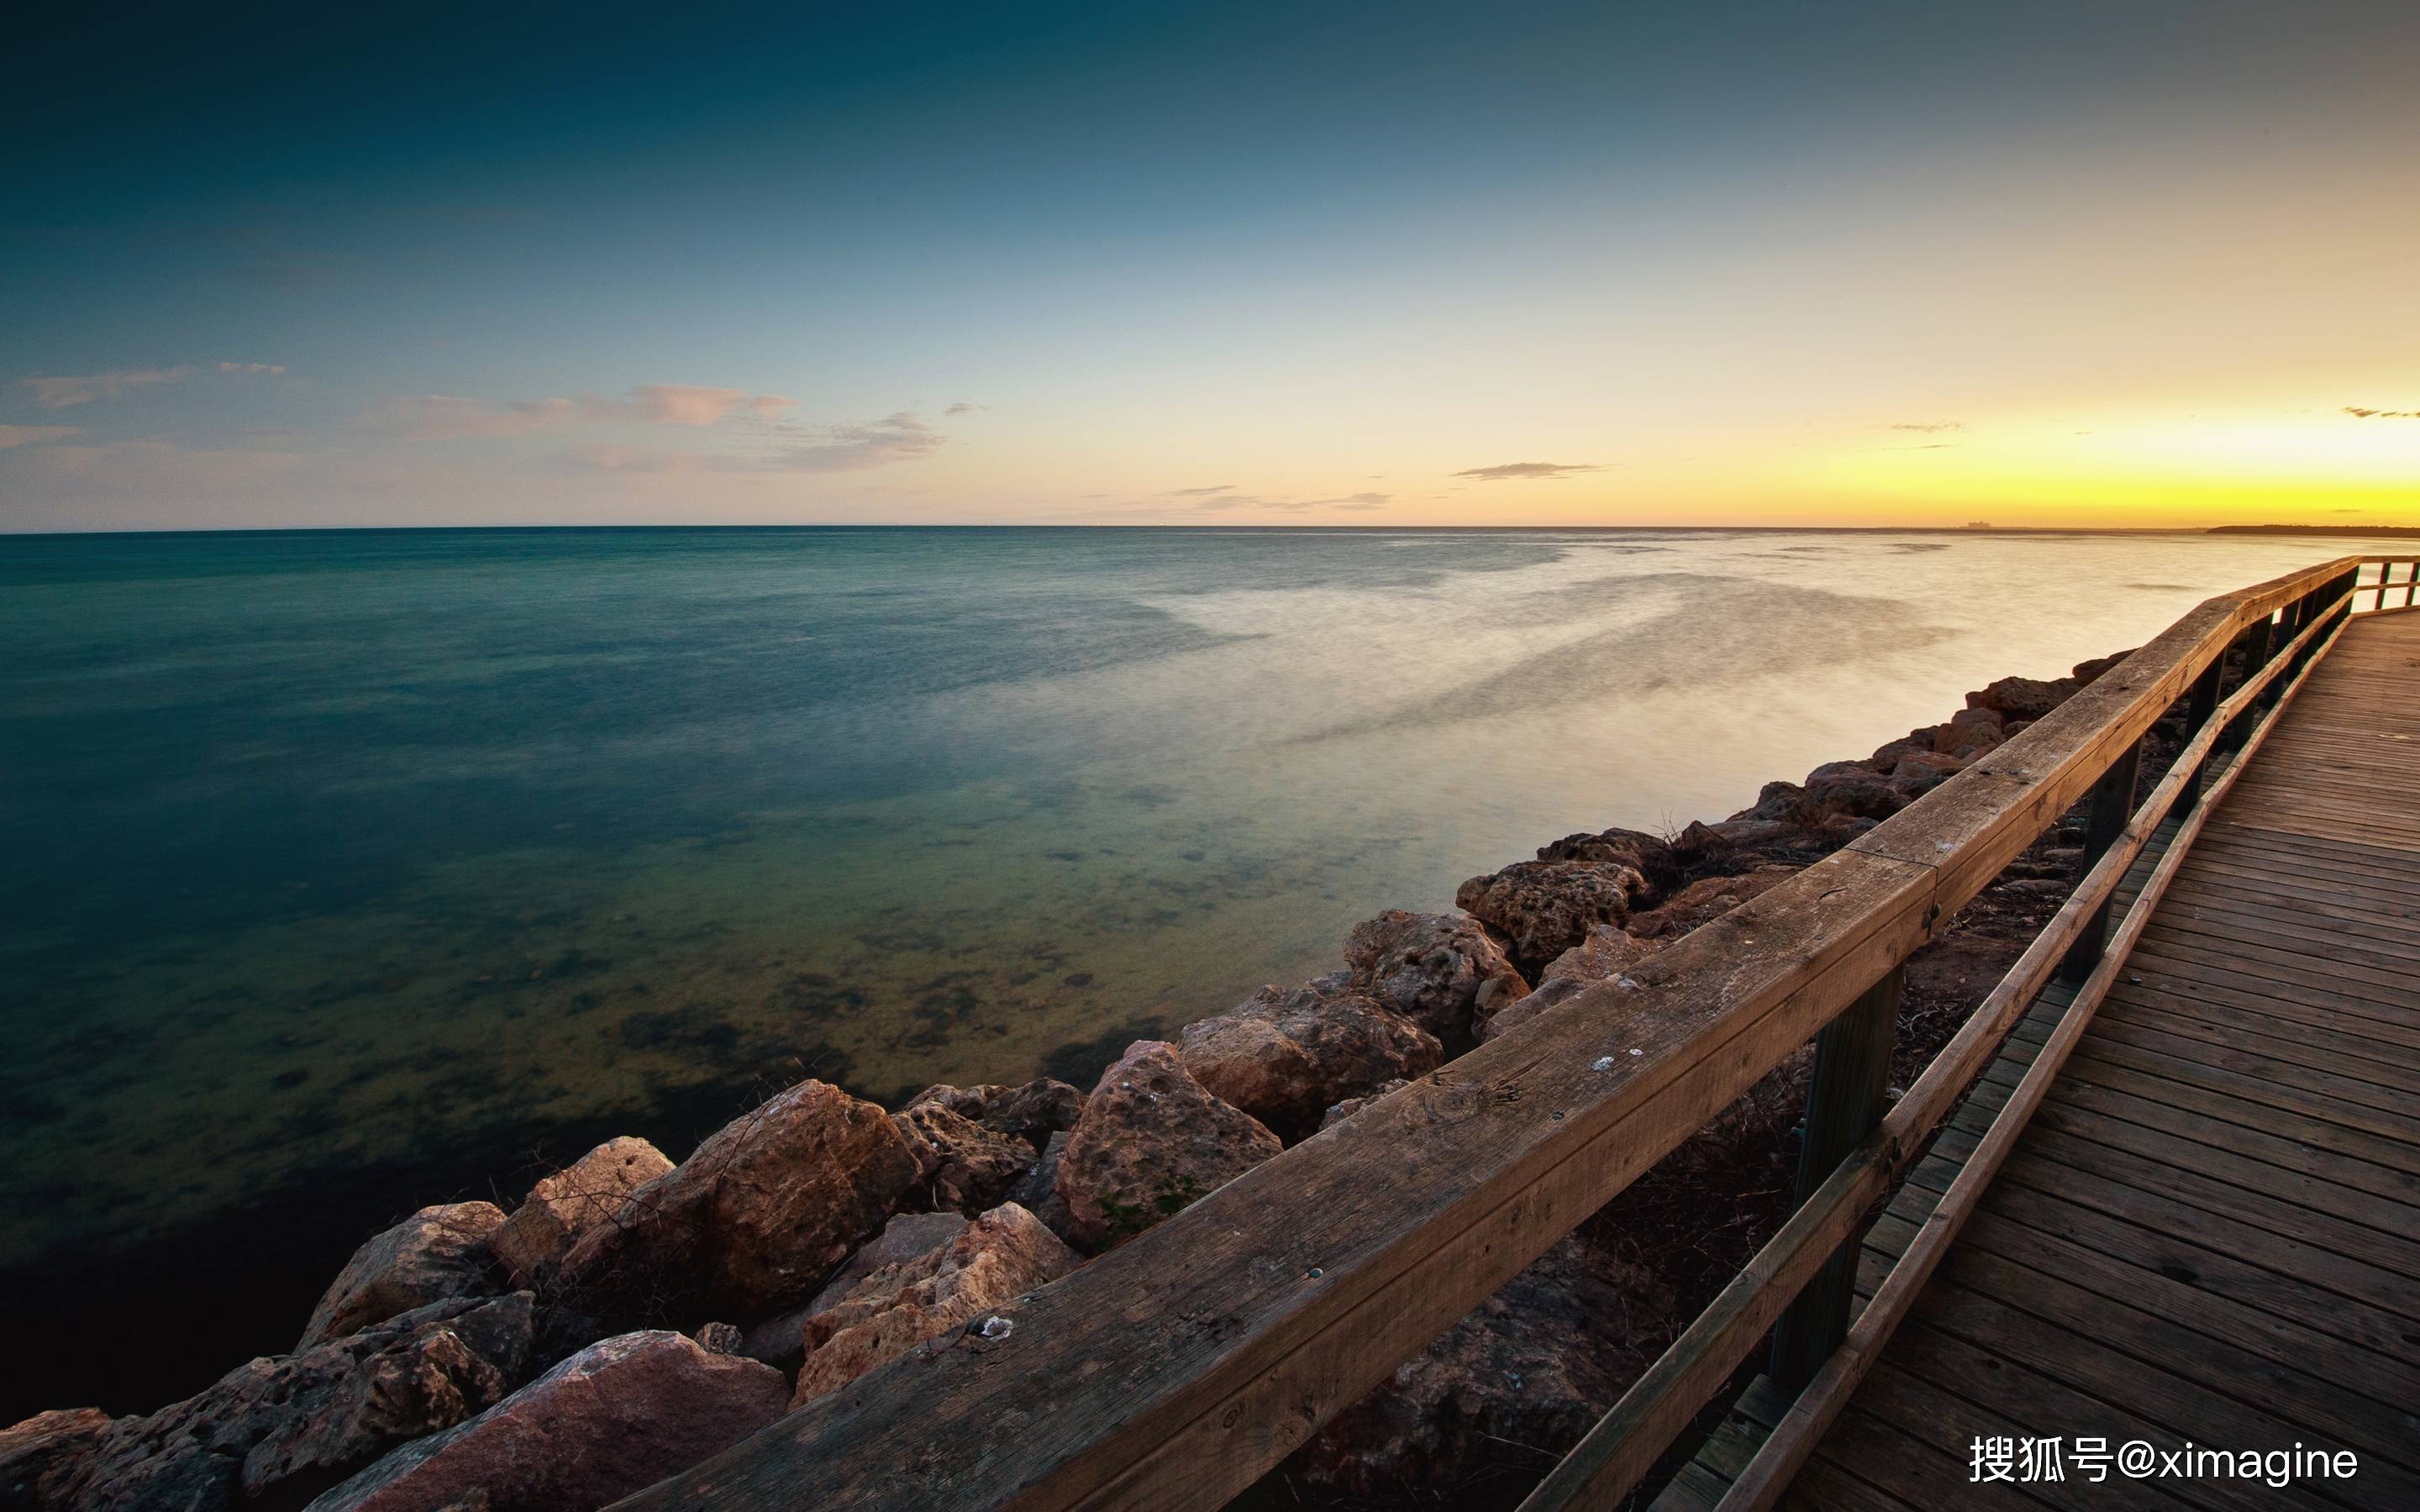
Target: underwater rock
[(752, 1221), (1151, 1143), (1606, 953), (963, 1167), (1442, 971), (561, 1207), (1286, 1056), (1545, 908), (998, 1258), (619, 1416), (437, 1252)]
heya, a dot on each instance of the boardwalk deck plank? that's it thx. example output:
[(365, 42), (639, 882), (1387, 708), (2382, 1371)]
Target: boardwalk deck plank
[(2211, 1227)]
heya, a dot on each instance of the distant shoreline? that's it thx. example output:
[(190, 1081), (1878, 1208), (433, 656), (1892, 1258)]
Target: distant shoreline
[(1211, 527)]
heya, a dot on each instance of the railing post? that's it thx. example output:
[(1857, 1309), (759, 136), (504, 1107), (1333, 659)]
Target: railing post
[(2256, 656), (1844, 1105), (2200, 706), (2113, 803)]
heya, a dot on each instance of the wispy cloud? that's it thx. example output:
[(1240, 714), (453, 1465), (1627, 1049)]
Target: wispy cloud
[(29, 435), (1927, 427), (897, 437), (1505, 471), (961, 408), (2360, 414), (441, 416), (64, 391), (1200, 493)]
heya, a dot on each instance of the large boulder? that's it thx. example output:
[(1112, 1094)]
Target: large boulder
[(1000, 1256), (41, 1457), (2023, 698), (1545, 908), (283, 1429), (775, 1341), (1650, 855), (1854, 789), (1708, 898), (1919, 772), (619, 1416), (754, 1219), (1033, 1112), (1285, 1056), (1152, 1141), (1442, 971), (1525, 1374), (436, 1254), (1038, 1190), (1351, 1106), (962, 1166), (561, 1207), (1606, 954)]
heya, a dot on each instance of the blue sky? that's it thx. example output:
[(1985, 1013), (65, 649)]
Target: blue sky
[(1336, 264)]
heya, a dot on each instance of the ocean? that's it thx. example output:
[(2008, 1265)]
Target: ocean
[(349, 871)]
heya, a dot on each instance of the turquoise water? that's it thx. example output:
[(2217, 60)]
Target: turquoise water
[(348, 872)]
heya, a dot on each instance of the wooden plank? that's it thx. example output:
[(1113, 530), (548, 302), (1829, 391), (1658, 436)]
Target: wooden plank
[(1899, 1442), (2242, 1054), (2162, 1404), (2185, 964), (2398, 1134), (2299, 1042)]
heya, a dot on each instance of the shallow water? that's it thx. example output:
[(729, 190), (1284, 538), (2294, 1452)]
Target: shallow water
[(348, 872)]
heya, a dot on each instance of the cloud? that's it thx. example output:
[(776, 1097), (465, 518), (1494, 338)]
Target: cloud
[(898, 437), (33, 435), (59, 392), (1927, 427), (1200, 493), (1503, 471), (961, 408), (2360, 414), (443, 417)]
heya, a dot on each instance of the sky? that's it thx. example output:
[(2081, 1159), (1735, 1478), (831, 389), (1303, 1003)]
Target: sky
[(2108, 264)]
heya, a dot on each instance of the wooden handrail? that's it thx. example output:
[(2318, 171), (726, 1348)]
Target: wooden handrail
[(1175, 1370)]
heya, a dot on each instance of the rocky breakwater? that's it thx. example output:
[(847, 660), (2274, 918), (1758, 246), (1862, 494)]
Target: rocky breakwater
[(632, 1315)]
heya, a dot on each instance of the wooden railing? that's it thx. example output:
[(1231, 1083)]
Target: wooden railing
[(1176, 1369)]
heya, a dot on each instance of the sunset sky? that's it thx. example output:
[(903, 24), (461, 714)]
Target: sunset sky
[(2119, 263)]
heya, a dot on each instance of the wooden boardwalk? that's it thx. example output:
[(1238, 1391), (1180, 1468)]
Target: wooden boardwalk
[(2210, 1230)]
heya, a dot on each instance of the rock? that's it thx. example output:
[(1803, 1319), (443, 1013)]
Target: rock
[(1606, 953), (962, 1165), (1651, 856), (1152, 1141), (619, 1416), (1525, 1375), (1033, 1112), (1000, 1255), (1038, 1190), (1736, 833), (1775, 800), (1854, 789), (1351, 1106), (42, 1457), (2035, 888), (775, 1341), (719, 1338), (1442, 971), (288, 1427), (436, 1254), (1706, 899), (2089, 673), (561, 1207), (1545, 908), (2023, 698), (1919, 772), (752, 1221), (1285, 1056)]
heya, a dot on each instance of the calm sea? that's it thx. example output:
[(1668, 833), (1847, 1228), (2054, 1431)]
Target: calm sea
[(342, 872)]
